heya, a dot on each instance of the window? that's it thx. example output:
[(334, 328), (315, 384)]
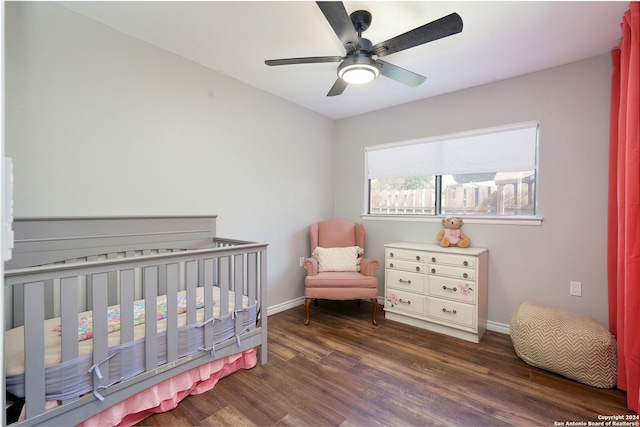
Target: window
[(491, 172)]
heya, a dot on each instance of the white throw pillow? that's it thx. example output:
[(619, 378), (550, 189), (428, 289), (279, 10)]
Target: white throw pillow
[(338, 259)]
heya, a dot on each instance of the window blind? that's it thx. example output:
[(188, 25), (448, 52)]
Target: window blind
[(501, 149)]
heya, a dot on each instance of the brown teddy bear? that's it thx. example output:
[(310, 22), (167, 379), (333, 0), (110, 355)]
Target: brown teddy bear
[(452, 235)]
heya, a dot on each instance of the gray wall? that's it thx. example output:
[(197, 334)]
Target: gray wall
[(99, 124), (533, 263)]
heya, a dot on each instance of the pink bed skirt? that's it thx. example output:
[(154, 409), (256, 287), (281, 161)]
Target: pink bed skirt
[(166, 395)]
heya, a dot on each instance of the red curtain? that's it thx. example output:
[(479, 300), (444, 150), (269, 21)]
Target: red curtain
[(624, 206)]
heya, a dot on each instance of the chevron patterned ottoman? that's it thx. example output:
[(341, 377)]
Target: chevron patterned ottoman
[(573, 345)]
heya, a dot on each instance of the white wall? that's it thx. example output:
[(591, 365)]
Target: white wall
[(534, 263), (99, 124)]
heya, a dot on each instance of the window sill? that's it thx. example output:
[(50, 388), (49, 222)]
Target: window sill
[(521, 220)]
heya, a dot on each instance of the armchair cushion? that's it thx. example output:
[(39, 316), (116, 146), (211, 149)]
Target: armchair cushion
[(338, 259), (330, 280)]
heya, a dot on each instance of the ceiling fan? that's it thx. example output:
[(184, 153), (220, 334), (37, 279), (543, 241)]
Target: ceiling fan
[(358, 64)]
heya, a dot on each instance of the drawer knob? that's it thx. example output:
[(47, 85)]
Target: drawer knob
[(404, 281), (444, 310), (454, 289), (391, 265), (391, 254), (433, 259), (466, 263), (417, 257), (433, 270), (404, 302), (465, 275), (417, 268)]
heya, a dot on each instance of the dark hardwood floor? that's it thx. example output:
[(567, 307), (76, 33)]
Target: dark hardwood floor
[(342, 371)]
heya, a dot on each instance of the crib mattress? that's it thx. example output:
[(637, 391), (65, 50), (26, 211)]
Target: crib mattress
[(14, 338)]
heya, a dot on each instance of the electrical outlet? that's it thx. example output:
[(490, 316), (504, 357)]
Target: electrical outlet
[(301, 261), (575, 289)]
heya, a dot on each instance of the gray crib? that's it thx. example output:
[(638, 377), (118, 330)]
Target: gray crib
[(78, 297)]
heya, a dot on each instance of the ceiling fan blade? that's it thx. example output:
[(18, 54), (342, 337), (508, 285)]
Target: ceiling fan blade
[(338, 87), (340, 21), (443, 27), (400, 74), (307, 60)]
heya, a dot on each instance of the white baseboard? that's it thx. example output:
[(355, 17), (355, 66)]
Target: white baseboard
[(498, 327), (491, 325), (285, 306)]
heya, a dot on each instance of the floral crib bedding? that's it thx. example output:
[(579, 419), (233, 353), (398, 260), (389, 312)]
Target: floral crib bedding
[(67, 380)]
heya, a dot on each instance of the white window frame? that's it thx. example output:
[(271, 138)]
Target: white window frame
[(411, 158)]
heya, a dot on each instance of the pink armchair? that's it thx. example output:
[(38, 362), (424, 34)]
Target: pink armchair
[(329, 280)]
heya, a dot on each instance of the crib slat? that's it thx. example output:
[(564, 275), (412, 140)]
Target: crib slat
[(224, 279), (113, 283), (208, 300), (173, 278), (238, 261), (49, 298), (99, 291), (191, 282), (69, 320), (127, 296), (239, 278), (83, 293), (69, 317), (252, 278), (34, 347), (263, 305), (89, 286), (200, 272), (150, 322)]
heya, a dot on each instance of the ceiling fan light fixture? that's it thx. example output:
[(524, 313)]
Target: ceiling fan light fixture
[(358, 70)]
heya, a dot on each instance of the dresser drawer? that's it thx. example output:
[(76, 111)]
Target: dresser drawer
[(413, 282), (413, 266), (459, 290), (393, 253), (457, 272), (405, 302), (450, 259), (451, 312)]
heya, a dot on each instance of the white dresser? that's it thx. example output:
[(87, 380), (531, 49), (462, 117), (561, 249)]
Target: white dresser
[(440, 289)]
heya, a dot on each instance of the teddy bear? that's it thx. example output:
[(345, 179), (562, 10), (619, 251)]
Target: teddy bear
[(452, 235)]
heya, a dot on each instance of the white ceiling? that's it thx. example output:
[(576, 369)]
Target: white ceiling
[(500, 40)]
